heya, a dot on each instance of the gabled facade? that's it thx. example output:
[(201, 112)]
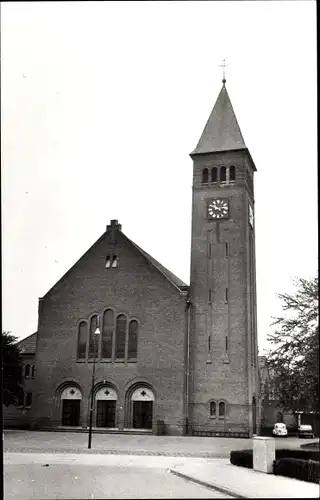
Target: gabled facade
[(163, 352), (140, 310)]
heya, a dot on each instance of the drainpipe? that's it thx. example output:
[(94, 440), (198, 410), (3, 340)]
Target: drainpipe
[(188, 364)]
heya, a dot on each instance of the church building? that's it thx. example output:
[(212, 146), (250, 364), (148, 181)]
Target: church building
[(166, 357)]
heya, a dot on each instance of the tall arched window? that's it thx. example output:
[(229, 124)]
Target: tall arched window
[(222, 409), (32, 371), (223, 174), (205, 176), (133, 339), (214, 174), (94, 339), (107, 334), (27, 371), (82, 340), (213, 409), (120, 336), (232, 173)]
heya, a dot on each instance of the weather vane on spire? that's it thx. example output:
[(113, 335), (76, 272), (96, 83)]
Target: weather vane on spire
[(223, 65)]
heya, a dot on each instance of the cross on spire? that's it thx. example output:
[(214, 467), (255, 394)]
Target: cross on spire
[(223, 65)]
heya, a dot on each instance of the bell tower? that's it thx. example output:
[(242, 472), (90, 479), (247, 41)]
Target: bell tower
[(223, 365)]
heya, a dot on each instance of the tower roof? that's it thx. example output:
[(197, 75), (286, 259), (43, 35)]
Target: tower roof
[(222, 132)]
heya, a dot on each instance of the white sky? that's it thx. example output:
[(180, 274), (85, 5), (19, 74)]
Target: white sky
[(102, 104)]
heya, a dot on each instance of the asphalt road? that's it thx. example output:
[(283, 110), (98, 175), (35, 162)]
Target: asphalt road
[(66, 442), (47, 476)]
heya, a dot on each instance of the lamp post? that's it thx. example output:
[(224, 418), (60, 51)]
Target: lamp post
[(96, 333)]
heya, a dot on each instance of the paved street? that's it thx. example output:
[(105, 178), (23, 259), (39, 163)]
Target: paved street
[(42, 476), (43, 465), (66, 442)]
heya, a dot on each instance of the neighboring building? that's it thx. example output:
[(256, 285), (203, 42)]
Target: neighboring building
[(18, 416), (272, 410), (183, 355)]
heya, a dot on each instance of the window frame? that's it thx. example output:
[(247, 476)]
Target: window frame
[(133, 359), (211, 403), (232, 169), (205, 175), (87, 333), (27, 365), (96, 338), (116, 357), (222, 401), (108, 329)]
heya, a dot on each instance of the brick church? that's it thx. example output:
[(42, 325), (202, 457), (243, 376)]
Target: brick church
[(165, 355)]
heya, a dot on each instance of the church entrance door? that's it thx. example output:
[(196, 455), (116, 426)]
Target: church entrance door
[(71, 412), (106, 413), (142, 414), (71, 402)]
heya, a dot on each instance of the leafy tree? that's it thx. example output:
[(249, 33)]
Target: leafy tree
[(294, 358), (11, 365)]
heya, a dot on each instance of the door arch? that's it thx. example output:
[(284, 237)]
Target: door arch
[(140, 400), (70, 402), (106, 405)]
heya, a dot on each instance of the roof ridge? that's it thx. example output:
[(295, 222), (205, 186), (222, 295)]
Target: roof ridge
[(177, 282)]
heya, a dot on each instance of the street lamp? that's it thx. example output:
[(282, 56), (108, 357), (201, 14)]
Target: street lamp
[(96, 333)]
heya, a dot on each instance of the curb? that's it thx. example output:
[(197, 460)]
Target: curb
[(207, 485)]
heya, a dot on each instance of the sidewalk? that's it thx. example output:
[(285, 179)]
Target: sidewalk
[(241, 482)]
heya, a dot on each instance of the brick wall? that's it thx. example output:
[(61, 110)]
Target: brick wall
[(229, 374), (134, 288)]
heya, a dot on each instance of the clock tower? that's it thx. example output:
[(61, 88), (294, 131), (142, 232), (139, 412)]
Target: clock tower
[(223, 387)]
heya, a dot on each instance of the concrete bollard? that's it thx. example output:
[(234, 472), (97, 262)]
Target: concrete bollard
[(264, 454)]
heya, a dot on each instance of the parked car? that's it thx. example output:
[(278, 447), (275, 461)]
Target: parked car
[(305, 431), (280, 429)]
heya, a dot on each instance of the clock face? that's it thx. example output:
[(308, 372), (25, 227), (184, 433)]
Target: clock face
[(218, 209), (250, 215)]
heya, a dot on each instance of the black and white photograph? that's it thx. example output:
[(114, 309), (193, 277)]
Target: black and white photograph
[(160, 301)]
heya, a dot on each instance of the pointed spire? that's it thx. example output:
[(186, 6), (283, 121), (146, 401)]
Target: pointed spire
[(222, 132)]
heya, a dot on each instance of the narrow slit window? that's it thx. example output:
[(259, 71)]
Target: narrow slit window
[(223, 174), (209, 343), (226, 298), (120, 336), (82, 340), (226, 343), (133, 339), (108, 262), (94, 339), (205, 176), (214, 174), (226, 249), (107, 334), (232, 173), (209, 250), (213, 409), (114, 261), (209, 296), (222, 409)]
